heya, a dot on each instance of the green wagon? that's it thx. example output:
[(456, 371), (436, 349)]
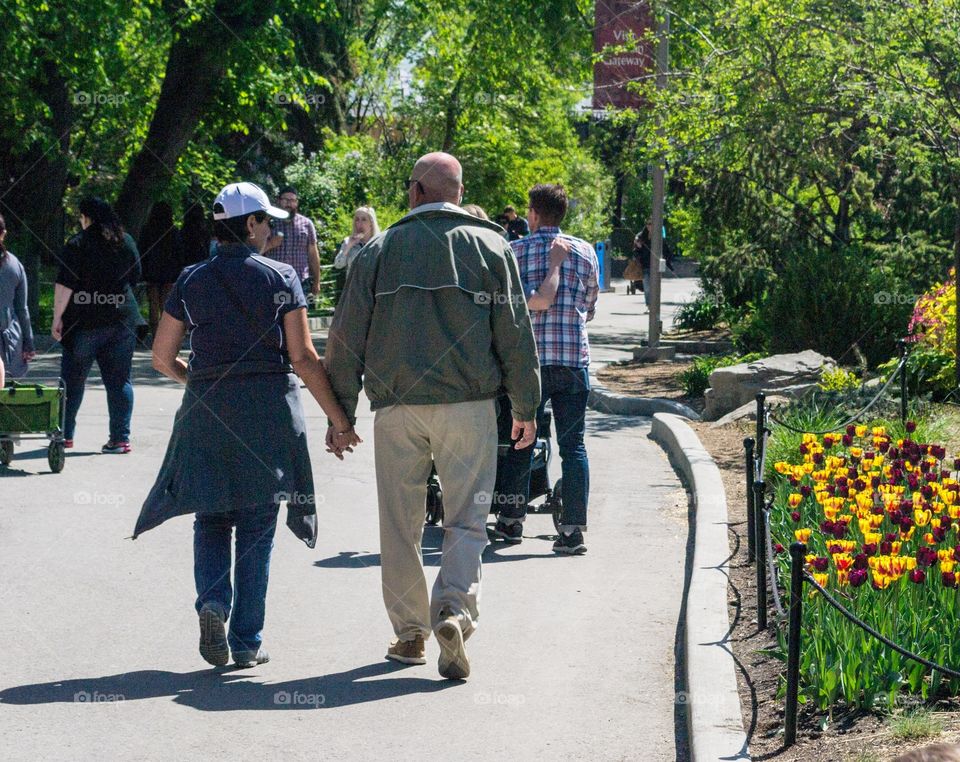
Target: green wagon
[(33, 410)]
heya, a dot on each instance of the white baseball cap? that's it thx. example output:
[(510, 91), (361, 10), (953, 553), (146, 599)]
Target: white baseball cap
[(241, 199)]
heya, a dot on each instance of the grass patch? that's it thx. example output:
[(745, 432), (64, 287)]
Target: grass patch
[(865, 756), (915, 725)]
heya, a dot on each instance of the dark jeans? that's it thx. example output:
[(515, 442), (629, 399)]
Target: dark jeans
[(112, 347), (567, 390), (251, 571)]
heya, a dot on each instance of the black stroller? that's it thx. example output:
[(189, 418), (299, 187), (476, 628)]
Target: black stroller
[(539, 480)]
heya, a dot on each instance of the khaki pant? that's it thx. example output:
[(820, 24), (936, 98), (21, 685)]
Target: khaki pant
[(461, 439)]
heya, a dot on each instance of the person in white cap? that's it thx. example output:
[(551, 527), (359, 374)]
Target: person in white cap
[(238, 447)]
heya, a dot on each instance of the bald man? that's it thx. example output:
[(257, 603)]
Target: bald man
[(432, 323)]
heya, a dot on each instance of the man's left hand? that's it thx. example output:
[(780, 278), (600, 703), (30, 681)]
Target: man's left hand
[(528, 430)]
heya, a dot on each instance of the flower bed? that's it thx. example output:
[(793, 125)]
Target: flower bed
[(880, 518)]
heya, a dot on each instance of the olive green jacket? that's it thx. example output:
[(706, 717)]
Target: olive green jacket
[(433, 312)]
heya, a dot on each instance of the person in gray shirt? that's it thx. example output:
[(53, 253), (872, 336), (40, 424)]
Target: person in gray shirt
[(16, 334)]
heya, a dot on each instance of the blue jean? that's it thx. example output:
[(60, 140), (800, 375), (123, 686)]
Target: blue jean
[(567, 390), (112, 347), (251, 570)]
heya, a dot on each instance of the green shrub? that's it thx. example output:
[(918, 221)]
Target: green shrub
[(929, 371), (696, 379), (702, 313), (829, 299), (838, 380)]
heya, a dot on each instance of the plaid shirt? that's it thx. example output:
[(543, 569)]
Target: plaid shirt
[(298, 234), (561, 331)]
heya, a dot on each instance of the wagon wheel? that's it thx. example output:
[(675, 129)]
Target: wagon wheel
[(56, 456), (6, 452)]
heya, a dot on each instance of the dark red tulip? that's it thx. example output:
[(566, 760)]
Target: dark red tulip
[(857, 577)]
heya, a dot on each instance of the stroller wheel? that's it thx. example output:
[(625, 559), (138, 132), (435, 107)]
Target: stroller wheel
[(557, 504), (434, 505)]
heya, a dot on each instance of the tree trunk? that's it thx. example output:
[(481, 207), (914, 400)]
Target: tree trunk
[(450, 119), (195, 67)]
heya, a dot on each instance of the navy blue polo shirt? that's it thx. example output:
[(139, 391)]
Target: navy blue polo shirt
[(242, 331)]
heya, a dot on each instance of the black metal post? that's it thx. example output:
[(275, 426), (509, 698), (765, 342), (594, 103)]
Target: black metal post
[(761, 424), (797, 552), (751, 517), (902, 347), (758, 489)]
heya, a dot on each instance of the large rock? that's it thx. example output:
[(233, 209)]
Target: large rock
[(788, 375)]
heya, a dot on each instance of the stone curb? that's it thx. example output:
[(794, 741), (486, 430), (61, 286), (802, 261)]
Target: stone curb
[(604, 401), (714, 720)]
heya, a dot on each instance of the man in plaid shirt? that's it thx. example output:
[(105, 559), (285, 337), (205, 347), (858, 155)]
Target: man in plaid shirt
[(298, 244), (560, 328)]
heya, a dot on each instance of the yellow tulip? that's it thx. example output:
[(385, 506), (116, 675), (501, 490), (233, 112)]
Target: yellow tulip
[(881, 580), (802, 535), (861, 431), (921, 518), (794, 499), (947, 566)]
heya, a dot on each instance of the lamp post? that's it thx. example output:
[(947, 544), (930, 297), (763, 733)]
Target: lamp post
[(656, 216)]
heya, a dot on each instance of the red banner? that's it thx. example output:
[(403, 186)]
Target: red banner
[(620, 23)]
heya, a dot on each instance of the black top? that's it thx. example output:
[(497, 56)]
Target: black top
[(517, 228), (162, 259), (233, 305), (101, 275)]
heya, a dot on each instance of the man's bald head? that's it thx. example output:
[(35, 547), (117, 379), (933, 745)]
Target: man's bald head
[(440, 178)]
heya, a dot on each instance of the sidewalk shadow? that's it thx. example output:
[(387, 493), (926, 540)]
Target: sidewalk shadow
[(432, 542), (223, 690)]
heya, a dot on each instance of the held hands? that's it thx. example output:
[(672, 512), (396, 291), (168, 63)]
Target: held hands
[(339, 442), (559, 251), (528, 430)]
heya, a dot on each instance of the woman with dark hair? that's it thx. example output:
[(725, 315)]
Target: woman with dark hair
[(160, 258), (95, 317), (239, 445), (16, 334), (194, 236)]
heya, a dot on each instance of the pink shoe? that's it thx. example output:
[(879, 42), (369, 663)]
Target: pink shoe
[(116, 448)]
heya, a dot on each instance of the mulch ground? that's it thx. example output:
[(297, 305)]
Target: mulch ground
[(851, 737)]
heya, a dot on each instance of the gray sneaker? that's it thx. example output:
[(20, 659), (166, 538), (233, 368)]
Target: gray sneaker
[(453, 663), (213, 638), (245, 659)]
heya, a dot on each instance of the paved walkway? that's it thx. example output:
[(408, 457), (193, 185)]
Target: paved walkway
[(574, 658)]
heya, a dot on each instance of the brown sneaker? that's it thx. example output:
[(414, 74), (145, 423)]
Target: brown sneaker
[(407, 651), (453, 663)]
